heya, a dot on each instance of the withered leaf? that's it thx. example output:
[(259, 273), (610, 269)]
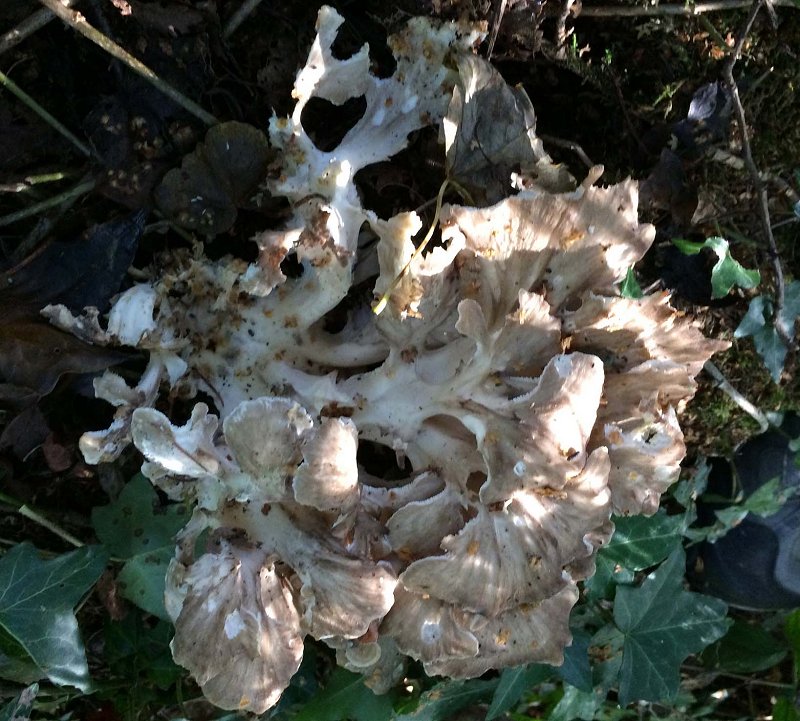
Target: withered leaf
[(490, 132), (216, 178)]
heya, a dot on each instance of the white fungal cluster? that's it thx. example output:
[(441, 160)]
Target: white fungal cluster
[(528, 399)]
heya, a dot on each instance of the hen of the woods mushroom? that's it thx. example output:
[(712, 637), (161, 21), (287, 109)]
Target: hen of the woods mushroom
[(529, 399)]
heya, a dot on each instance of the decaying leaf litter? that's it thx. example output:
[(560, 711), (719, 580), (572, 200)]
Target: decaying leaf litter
[(229, 198)]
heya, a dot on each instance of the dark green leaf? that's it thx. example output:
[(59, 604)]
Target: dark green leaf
[(133, 648), (662, 625), (346, 697), (446, 698), (758, 323), (630, 288), (745, 649), (19, 708), (607, 575), (37, 599), (640, 542), (576, 669), (576, 704), (637, 543), (137, 528), (513, 684)]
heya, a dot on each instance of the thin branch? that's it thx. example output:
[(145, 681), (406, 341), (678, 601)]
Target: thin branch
[(39, 519), (569, 145), (685, 10), (76, 21), (27, 27), (235, 20), (12, 87), (724, 385), (755, 175)]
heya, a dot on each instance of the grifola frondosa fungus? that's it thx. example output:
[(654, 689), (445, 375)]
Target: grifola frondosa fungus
[(524, 399)]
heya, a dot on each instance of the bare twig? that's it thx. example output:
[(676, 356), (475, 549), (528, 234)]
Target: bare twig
[(27, 27), (75, 20), (724, 385), (38, 518), (685, 10), (10, 85), (501, 10), (755, 176), (569, 145), (235, 20)]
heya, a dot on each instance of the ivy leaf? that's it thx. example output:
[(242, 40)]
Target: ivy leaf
[(662, 624), (576, 670), (745, 649), (37, 599), (138, 529), (19, 708), (444, 699), (577, 704), (513, 684), (638, 543), (759, 324), (629, 287), (346, 697), (726, 272)]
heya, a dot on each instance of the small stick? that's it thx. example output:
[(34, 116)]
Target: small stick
[(569, 145), (27, 27), (687, 10), (235, 20), (75, 20), (36, 517), (724, 385), (755, 175), (7, 82), (501, 10), (36, 208)]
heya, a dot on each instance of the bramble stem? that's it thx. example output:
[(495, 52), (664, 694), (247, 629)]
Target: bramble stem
[(755, 175)]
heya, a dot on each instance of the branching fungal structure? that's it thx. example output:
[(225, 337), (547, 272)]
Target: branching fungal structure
[(525, 399)]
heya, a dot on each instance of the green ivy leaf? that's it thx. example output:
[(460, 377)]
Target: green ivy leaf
[(514, 683), (37, 599), (19, 708), (759, 324), (346, 697), (638, 543), (444, 699), (629, 287), (745, 649), (726, 272), (138, 529), (576, 669), (662, 624), (577, 704)]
